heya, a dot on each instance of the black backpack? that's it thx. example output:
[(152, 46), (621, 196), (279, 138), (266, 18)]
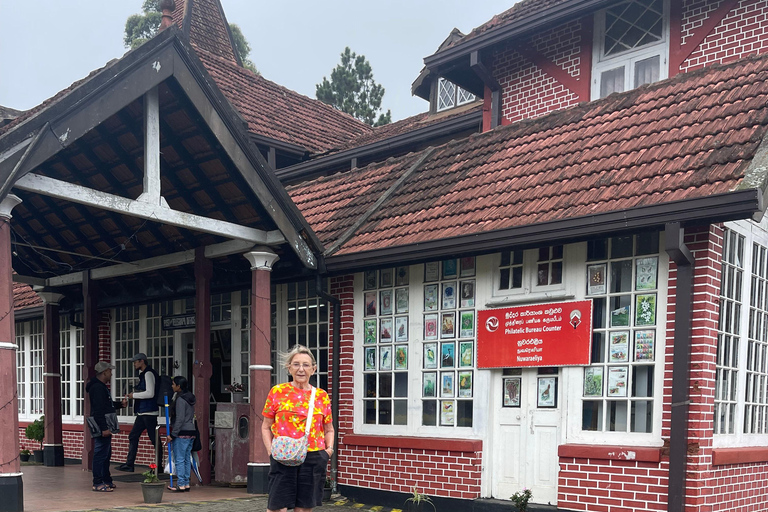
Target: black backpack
[(163, 389)]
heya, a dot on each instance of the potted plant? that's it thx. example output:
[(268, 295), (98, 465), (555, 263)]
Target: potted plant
[(520, 499), (24, 454), (151, 486), (237, 390), (418, 502), (327, 489), (35, 431)]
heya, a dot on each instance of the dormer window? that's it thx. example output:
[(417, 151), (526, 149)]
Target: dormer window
[(631, 46), (450, 95)]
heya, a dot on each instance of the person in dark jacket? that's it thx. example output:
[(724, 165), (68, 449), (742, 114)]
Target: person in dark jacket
[(182, 433), (145, 407), (102, 405)]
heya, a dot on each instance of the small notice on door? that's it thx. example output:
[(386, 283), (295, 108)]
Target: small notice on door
[(553, 334)]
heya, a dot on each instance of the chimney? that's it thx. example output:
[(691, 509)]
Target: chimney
[(167, 7)]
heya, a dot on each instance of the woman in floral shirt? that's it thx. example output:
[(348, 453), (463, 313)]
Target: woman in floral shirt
[(285, 414)]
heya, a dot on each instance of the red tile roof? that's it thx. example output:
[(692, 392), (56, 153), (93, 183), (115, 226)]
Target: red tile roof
[(24, 297), (274, 111), (689, 137), (205, 25)]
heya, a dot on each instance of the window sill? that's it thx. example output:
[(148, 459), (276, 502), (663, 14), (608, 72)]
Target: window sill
[(529, 298), (417, 443), (590, 451), (726, 456)]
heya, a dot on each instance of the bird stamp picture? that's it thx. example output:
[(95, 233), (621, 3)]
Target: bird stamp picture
[(547, 392)]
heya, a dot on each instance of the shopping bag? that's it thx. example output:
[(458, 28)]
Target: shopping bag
[(169, 466)]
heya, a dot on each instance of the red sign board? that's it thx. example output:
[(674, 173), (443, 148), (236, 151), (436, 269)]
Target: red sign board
[(553, 334)]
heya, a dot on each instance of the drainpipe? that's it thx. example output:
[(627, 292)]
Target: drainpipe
[(335, 372), (484, 74), (681, 362)]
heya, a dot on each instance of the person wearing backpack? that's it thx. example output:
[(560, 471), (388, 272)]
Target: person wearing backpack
[(145, 407)]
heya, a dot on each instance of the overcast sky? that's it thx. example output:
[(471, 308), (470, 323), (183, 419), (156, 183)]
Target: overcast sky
[(45, 45)]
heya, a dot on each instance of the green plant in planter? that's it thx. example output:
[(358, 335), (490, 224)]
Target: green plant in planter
[(419, 501), (24, 451), (36, 430), (520, 499)]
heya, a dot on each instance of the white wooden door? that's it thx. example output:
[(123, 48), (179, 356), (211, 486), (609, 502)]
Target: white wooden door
[(525, 437)]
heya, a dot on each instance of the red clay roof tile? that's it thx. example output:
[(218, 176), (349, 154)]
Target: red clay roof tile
[(24, 297), (689, 137), (207, 24)]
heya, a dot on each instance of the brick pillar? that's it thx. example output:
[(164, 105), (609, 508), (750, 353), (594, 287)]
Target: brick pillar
[(343, 287), (53, 447), (11, 486), (202, 368), (261, 260)]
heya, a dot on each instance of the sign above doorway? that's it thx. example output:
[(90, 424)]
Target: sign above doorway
[(184, 321)]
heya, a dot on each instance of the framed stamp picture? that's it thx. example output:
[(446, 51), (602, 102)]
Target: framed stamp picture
[(466, 353), (593, 381), (401, 357), (370, 358), (596, 279), (617, 381), (429, 384), (385, 330), (512, 391), (430, 356), (645, 273), (401, 300), (370, 280), (387, 277), (465, 384), (430, 297), (449, 295), (386, 302), (449, 269), (431, 271), (446, 413), (619, 347), (448, 325), (369, 331), (447, 355), (644, 342), (385, 358), (467, 266), (401, 328), (466, 324), (401, 276), (645, 309), (430, 326), (446, 384), (546, 396), (620, 311), (467, 289), (370, 303)]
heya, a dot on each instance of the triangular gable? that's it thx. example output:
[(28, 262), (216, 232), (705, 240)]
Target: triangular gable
[(45, 132), (205, 26), (688, 150)]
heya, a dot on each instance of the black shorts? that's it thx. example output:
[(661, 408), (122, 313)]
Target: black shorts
[(298, 486)]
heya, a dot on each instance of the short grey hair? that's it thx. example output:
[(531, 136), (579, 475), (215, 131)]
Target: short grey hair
[(287, 357)]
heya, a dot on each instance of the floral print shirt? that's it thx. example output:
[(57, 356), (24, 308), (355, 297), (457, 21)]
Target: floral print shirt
[(288, 406)]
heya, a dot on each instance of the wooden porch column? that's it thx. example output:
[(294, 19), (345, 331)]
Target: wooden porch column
[(90, 357), (202, 368), (261, 260), (11, 486), (53, 447)]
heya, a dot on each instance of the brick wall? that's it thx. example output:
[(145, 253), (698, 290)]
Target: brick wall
[(742, 32)]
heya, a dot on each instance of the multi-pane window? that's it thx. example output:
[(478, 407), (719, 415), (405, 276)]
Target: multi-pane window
[(245, 339), (631, 46), (448, 350), (307, 323), (386, 331), (511, 270), (159, 340), (21, 365), (549, 267), (729, 332), (221, 307), (127, 337), (450, 95), (72, 389), (30, 366), (756, 388), (622, 281)]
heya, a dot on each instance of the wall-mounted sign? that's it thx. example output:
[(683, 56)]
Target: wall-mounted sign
[(553, 334), (185, 321)]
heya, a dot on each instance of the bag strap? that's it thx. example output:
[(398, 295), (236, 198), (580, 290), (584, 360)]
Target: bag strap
[(311, 410)]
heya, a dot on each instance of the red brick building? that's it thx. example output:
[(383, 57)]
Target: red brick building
[(572, 300)]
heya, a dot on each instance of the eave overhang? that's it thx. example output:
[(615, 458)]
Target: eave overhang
[(743, 204)]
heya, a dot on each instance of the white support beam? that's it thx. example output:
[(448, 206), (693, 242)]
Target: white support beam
[(90, 197), (150, 264), (30, 280), (151, 194)]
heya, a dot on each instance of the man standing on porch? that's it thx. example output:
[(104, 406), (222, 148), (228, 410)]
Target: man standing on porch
[(145, 406)]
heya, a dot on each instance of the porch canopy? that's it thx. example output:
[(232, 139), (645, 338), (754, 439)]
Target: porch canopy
[(134, 183)]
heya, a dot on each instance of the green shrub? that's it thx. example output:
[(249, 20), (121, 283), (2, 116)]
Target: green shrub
[(36, 430)]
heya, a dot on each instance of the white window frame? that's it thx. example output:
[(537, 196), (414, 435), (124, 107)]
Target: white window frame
[(73, 379), (457, 96), (628, 58), (30, 392), (529, 279), (753, 233)]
